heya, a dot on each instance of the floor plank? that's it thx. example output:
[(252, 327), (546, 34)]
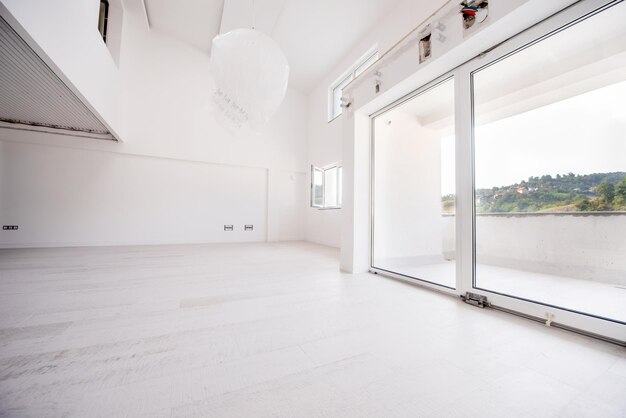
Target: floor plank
[(273, 330)]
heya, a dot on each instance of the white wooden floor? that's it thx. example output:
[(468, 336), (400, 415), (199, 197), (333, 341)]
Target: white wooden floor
[(273, 330)]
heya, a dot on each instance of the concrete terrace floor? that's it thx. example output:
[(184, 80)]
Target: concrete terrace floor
[(606, 300), (273, 330)]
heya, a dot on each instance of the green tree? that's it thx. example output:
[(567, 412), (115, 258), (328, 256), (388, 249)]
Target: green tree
[(620, 193), (606, 191), (583, 204)]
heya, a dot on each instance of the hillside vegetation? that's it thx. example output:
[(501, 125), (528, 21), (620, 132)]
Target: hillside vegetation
[(563, 193)]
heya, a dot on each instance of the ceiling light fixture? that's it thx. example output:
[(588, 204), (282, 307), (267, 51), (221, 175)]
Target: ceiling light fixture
[(250, 74)]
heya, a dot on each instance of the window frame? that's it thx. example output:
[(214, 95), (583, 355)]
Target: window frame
[(339, 188), (315, 169), (359, 67), (104, 20)]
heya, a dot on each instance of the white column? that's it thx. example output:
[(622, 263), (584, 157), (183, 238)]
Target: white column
[(356, 219)]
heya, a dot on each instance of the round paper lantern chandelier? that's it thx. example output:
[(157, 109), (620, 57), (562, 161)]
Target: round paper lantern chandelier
[(250, 74)]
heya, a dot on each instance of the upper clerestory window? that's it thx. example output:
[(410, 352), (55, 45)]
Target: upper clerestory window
[(336, 89)]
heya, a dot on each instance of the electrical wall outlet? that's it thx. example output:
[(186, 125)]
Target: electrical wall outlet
[(248, 228), (229, 228), (9, 227)]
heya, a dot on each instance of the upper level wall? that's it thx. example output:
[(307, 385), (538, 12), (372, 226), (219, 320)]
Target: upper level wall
[(178, 176), (167, 92), (399, 71), (325, 138), (65, 35), (161, 92)]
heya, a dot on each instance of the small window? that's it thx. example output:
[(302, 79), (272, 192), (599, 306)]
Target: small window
[(336, 89), (326, 186), (103, 19)]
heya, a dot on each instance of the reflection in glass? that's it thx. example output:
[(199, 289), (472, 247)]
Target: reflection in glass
[(317, 187), (414, 188), (332, 178)]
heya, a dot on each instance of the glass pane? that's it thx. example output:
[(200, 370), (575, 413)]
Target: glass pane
[(331, 177), (414, 188), (550, 170), (102, 19), (317, 187), (339, 186), (366, 64), (337, 93)]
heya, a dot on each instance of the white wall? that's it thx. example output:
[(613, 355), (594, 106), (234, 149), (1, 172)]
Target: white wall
[(588, 246), (115, 27), (287, 200), (177, 177), (70, 197), (325, 138), (167, 90)]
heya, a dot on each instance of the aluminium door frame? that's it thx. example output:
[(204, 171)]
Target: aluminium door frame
[(607, 329), (450, 75), (558, 316)]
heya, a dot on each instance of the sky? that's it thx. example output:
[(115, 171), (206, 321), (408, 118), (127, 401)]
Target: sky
[(583, 134)]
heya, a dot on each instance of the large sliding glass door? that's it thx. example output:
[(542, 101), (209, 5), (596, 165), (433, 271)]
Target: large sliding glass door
[(550, 169), (542, 223)]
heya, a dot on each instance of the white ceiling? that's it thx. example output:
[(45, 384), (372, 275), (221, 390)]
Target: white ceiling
[(314, 35), (193, 21)]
